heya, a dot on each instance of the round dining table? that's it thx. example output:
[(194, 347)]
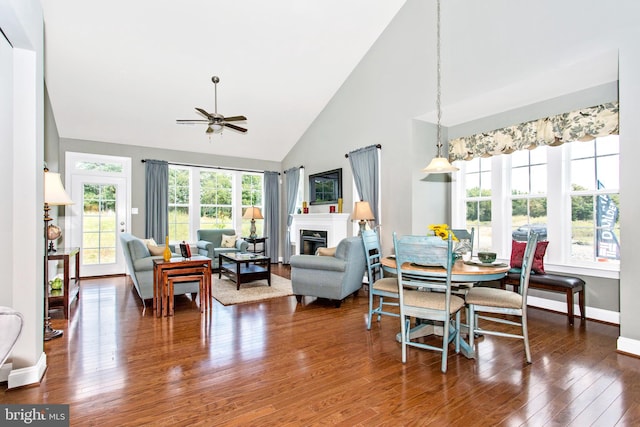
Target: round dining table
[(470, 271), (463, 275)]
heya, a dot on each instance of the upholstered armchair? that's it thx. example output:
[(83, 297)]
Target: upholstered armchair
[(332, 277), (210, 243)]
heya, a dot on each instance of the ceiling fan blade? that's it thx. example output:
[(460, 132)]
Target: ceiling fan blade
[(204, 113), (190, 121), (234, 127), (235, 118)]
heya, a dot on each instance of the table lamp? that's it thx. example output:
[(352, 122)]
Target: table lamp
[(362, 212), (252, 213), (54, 195)]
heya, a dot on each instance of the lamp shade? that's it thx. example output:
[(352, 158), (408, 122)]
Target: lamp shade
[(54, 193), (252, 213), (362, 211), (439, 165)]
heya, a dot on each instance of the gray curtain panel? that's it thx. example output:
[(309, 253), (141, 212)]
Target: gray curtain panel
[(272, 214), (364, 166), (292, 178), (157, 200)]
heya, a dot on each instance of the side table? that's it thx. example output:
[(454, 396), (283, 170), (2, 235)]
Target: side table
[(257, 240), (69, 291), (164, 271)]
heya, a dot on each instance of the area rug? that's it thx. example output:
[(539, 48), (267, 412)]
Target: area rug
[(224, 290)]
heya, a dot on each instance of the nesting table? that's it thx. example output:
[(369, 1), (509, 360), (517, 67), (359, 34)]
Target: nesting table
[(166, 273)]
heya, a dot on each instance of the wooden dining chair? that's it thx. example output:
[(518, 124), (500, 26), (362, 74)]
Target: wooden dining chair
[(382, 287), (427, 298), (503, 302)]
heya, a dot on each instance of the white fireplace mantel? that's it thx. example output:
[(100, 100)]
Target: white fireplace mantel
[(335, 224)]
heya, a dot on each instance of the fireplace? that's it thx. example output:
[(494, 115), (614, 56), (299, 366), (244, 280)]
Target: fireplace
[(335, 227), (311, 240)]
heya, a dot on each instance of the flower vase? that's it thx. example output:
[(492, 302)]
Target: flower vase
[(166, 255)]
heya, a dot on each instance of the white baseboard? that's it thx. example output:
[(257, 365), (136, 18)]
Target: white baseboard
[(29, 375), (561, 307), (627, 345)]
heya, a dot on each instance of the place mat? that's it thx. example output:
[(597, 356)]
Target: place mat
[(487, 264)]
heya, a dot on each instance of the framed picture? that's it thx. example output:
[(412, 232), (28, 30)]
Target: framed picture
[(185, 250)]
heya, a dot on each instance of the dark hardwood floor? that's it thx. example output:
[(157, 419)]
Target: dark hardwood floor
[(280, 363)]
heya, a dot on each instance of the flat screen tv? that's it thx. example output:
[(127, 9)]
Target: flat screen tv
[(325, 187)]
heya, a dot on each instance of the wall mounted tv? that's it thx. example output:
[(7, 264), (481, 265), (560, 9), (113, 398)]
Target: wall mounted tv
[(325, 187)]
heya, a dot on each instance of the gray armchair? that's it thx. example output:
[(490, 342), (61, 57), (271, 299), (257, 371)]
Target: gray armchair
[(333, 277), (140, 266), (210, 244)]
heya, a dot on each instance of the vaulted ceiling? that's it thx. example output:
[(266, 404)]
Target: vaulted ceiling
[(123, 71)]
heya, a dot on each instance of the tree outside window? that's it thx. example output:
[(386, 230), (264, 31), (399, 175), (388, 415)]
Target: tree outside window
[(179, 190), (216, 200), (478, 201)]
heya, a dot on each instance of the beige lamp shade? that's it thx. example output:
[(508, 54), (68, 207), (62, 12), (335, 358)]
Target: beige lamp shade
[(252, 213), (54, 193), (439, 165), (362, 211)]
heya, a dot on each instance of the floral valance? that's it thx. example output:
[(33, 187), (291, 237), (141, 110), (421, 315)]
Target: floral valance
[(580, 125)]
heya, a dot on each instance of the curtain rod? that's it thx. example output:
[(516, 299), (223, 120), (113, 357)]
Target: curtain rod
[(379, 146), (301, 167), (212, 167)]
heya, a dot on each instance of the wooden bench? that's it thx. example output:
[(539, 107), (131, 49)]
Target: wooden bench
[(553, 283)]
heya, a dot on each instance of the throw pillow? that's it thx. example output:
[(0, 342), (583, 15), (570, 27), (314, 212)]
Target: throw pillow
[(228, 241), (517, 253), (155, 250), (326, 251)]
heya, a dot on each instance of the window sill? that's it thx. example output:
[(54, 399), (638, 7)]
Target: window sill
[(606, 273)]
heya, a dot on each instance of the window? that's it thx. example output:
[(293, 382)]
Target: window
[(216, 199), (568, 194), (478, 201), (204, 198), (595, 229), (252, 190), (179, 189)]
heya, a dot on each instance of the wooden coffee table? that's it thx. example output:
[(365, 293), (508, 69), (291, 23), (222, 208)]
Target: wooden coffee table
[(244, 267)]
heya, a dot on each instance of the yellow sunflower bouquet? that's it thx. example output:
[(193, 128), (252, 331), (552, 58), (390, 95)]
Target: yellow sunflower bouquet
[(443, 231)]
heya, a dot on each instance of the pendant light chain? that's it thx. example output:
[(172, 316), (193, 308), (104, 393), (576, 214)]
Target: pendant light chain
[(438, 88)]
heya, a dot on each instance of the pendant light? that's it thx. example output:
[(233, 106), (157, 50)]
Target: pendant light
[(439, 164)]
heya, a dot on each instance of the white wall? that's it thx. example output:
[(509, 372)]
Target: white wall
[(21, 21)]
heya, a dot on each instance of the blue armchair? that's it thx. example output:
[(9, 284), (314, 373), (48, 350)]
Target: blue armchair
[(210, 244), (333, 277)]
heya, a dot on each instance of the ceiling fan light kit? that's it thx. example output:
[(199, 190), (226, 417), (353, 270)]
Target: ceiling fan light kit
[(215, 122)]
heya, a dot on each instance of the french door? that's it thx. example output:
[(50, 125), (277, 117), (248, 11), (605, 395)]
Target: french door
[(99, 214)]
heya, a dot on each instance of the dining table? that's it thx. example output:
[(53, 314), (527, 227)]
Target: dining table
[(463, 275)]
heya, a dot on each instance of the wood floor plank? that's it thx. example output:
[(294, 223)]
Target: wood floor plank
[(282, 363)]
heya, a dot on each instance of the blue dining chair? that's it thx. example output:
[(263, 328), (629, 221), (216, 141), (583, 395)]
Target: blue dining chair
[(503, 302), (427, 297), (382, 287)]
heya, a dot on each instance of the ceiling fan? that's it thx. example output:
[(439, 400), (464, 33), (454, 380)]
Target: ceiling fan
[(215, 122)]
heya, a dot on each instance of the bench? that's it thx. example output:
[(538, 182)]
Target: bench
[(553, 283)]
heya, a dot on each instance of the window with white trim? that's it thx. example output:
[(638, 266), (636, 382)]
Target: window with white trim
[(206, 198), (568, 194)]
